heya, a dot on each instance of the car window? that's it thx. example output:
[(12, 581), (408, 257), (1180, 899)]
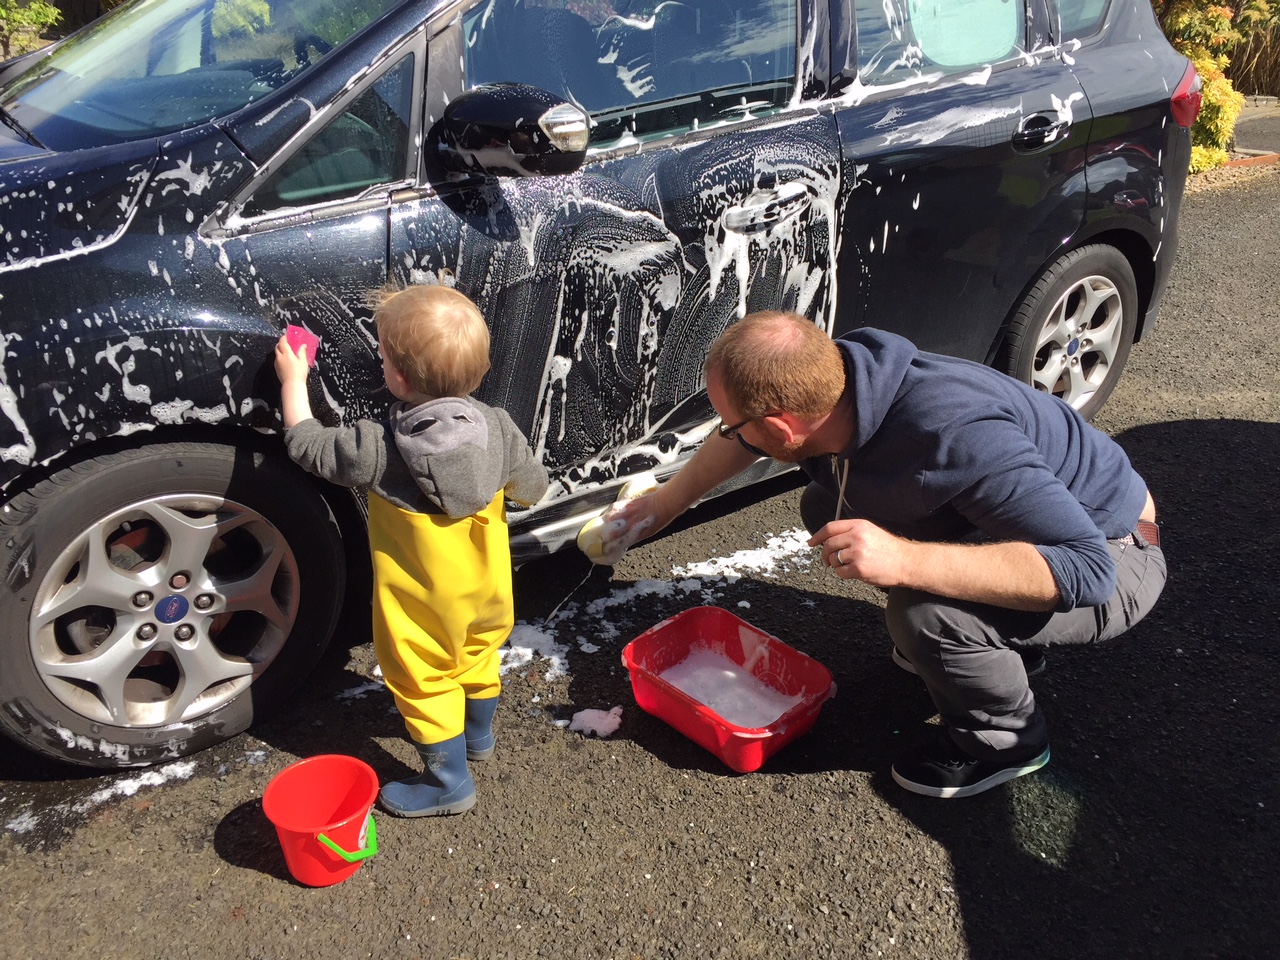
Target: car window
[(644, 69), (1081, 18), (365, 145), (900, 39), (156, 66)]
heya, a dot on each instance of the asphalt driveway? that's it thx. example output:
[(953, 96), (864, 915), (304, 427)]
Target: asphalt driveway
[(1258, 126)]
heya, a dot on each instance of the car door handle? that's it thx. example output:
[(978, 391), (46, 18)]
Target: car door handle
[(767, 207), (1040, 130)]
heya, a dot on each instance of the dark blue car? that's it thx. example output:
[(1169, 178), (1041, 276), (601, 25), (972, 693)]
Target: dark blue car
[(613, 183)]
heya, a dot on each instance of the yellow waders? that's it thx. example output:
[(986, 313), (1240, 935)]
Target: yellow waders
[(442, 606)]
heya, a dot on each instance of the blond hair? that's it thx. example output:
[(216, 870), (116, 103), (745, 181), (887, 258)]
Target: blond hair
[(776, 362), (435, 337)]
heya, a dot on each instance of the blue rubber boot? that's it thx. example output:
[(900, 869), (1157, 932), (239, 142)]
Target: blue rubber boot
[(479, 728), (444, 786)]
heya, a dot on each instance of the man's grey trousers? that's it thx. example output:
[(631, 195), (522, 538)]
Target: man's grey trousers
[(963, 651)]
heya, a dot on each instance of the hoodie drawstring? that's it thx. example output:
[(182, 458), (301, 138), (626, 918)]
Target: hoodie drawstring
[(844, 478)]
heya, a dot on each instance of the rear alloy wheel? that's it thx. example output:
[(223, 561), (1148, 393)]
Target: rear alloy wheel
[(1072, 334), (155, 601)]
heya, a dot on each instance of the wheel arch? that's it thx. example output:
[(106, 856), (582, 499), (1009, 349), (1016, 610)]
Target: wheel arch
[(348, 507), (1135, 249), (28, 714), (1141, 259)]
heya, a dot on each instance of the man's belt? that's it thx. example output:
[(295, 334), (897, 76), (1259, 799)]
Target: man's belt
[(1148, 531)]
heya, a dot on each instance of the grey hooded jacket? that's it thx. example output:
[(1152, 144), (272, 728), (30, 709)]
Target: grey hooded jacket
[(450, 455)]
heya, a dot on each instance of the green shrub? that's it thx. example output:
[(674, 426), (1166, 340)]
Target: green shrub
[(1207, 158), (1215, 127), (1206, 33), (21, 23)]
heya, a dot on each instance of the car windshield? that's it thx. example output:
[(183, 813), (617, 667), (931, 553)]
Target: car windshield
[(156, 66)]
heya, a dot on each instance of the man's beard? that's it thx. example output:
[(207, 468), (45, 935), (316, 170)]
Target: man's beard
[(796, 450)]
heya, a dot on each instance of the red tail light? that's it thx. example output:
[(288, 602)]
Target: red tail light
[(1185, 101)]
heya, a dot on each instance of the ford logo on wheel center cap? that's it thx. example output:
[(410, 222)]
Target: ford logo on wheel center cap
[(171, 609)]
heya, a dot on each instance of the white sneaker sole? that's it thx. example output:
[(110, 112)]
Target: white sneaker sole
[(980, 786)]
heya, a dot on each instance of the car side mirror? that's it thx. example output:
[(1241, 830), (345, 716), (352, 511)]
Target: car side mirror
[(511, 130)]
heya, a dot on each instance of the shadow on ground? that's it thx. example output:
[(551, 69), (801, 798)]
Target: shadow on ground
[(1154, 831)]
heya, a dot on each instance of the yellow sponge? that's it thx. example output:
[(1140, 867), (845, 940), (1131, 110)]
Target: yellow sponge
[(589, 541)]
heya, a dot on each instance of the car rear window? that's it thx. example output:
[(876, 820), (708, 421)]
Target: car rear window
[(900, 41), (1081, 18)]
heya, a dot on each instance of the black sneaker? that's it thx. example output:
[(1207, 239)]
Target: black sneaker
[(941, 769), (1033, 660)]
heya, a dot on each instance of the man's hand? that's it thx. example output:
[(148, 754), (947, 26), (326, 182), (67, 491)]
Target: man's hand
[(628, 521), (859, 550), (1013, 575)]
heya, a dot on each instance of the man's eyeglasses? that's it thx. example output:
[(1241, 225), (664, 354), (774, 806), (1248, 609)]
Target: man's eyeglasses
[(731, 433)]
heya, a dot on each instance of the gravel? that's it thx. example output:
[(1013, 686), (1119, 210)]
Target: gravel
[(1230, 176)]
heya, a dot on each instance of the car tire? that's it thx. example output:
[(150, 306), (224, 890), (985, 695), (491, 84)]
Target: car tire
[(157, 600), (1072, 334)]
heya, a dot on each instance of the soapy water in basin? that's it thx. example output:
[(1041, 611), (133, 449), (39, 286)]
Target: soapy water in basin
[(730, 690)]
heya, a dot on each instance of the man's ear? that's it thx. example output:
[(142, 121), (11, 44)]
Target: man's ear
[(794, 428), (788, 425)]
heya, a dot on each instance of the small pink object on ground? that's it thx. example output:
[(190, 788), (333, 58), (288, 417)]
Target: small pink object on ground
[(681, 648), (603, 723), (302, 337)]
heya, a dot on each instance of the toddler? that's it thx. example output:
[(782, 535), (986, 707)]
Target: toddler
[(437, 472)]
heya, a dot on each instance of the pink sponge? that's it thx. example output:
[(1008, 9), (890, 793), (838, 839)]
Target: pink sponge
[(302, 337)]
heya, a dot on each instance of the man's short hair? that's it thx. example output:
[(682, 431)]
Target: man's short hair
[(776, 362), (435, 337)]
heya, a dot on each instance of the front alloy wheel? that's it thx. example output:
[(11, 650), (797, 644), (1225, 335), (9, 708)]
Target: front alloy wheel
[(163, 610), (158, 599)]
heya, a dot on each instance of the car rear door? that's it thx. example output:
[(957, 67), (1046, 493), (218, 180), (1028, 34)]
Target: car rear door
[(710, 190), (1137, 156), (964, 134)]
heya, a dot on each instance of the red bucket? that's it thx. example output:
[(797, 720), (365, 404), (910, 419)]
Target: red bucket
[(321, 810)]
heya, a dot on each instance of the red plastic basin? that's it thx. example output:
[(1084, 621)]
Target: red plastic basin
[(780, 667)]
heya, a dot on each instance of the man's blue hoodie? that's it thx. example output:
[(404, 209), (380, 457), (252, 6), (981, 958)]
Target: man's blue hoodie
[(950, 450)]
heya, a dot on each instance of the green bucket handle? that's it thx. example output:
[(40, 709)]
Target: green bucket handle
[(370, 847)]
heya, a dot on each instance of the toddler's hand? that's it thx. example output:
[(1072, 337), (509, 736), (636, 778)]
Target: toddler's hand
[(291, 367)]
